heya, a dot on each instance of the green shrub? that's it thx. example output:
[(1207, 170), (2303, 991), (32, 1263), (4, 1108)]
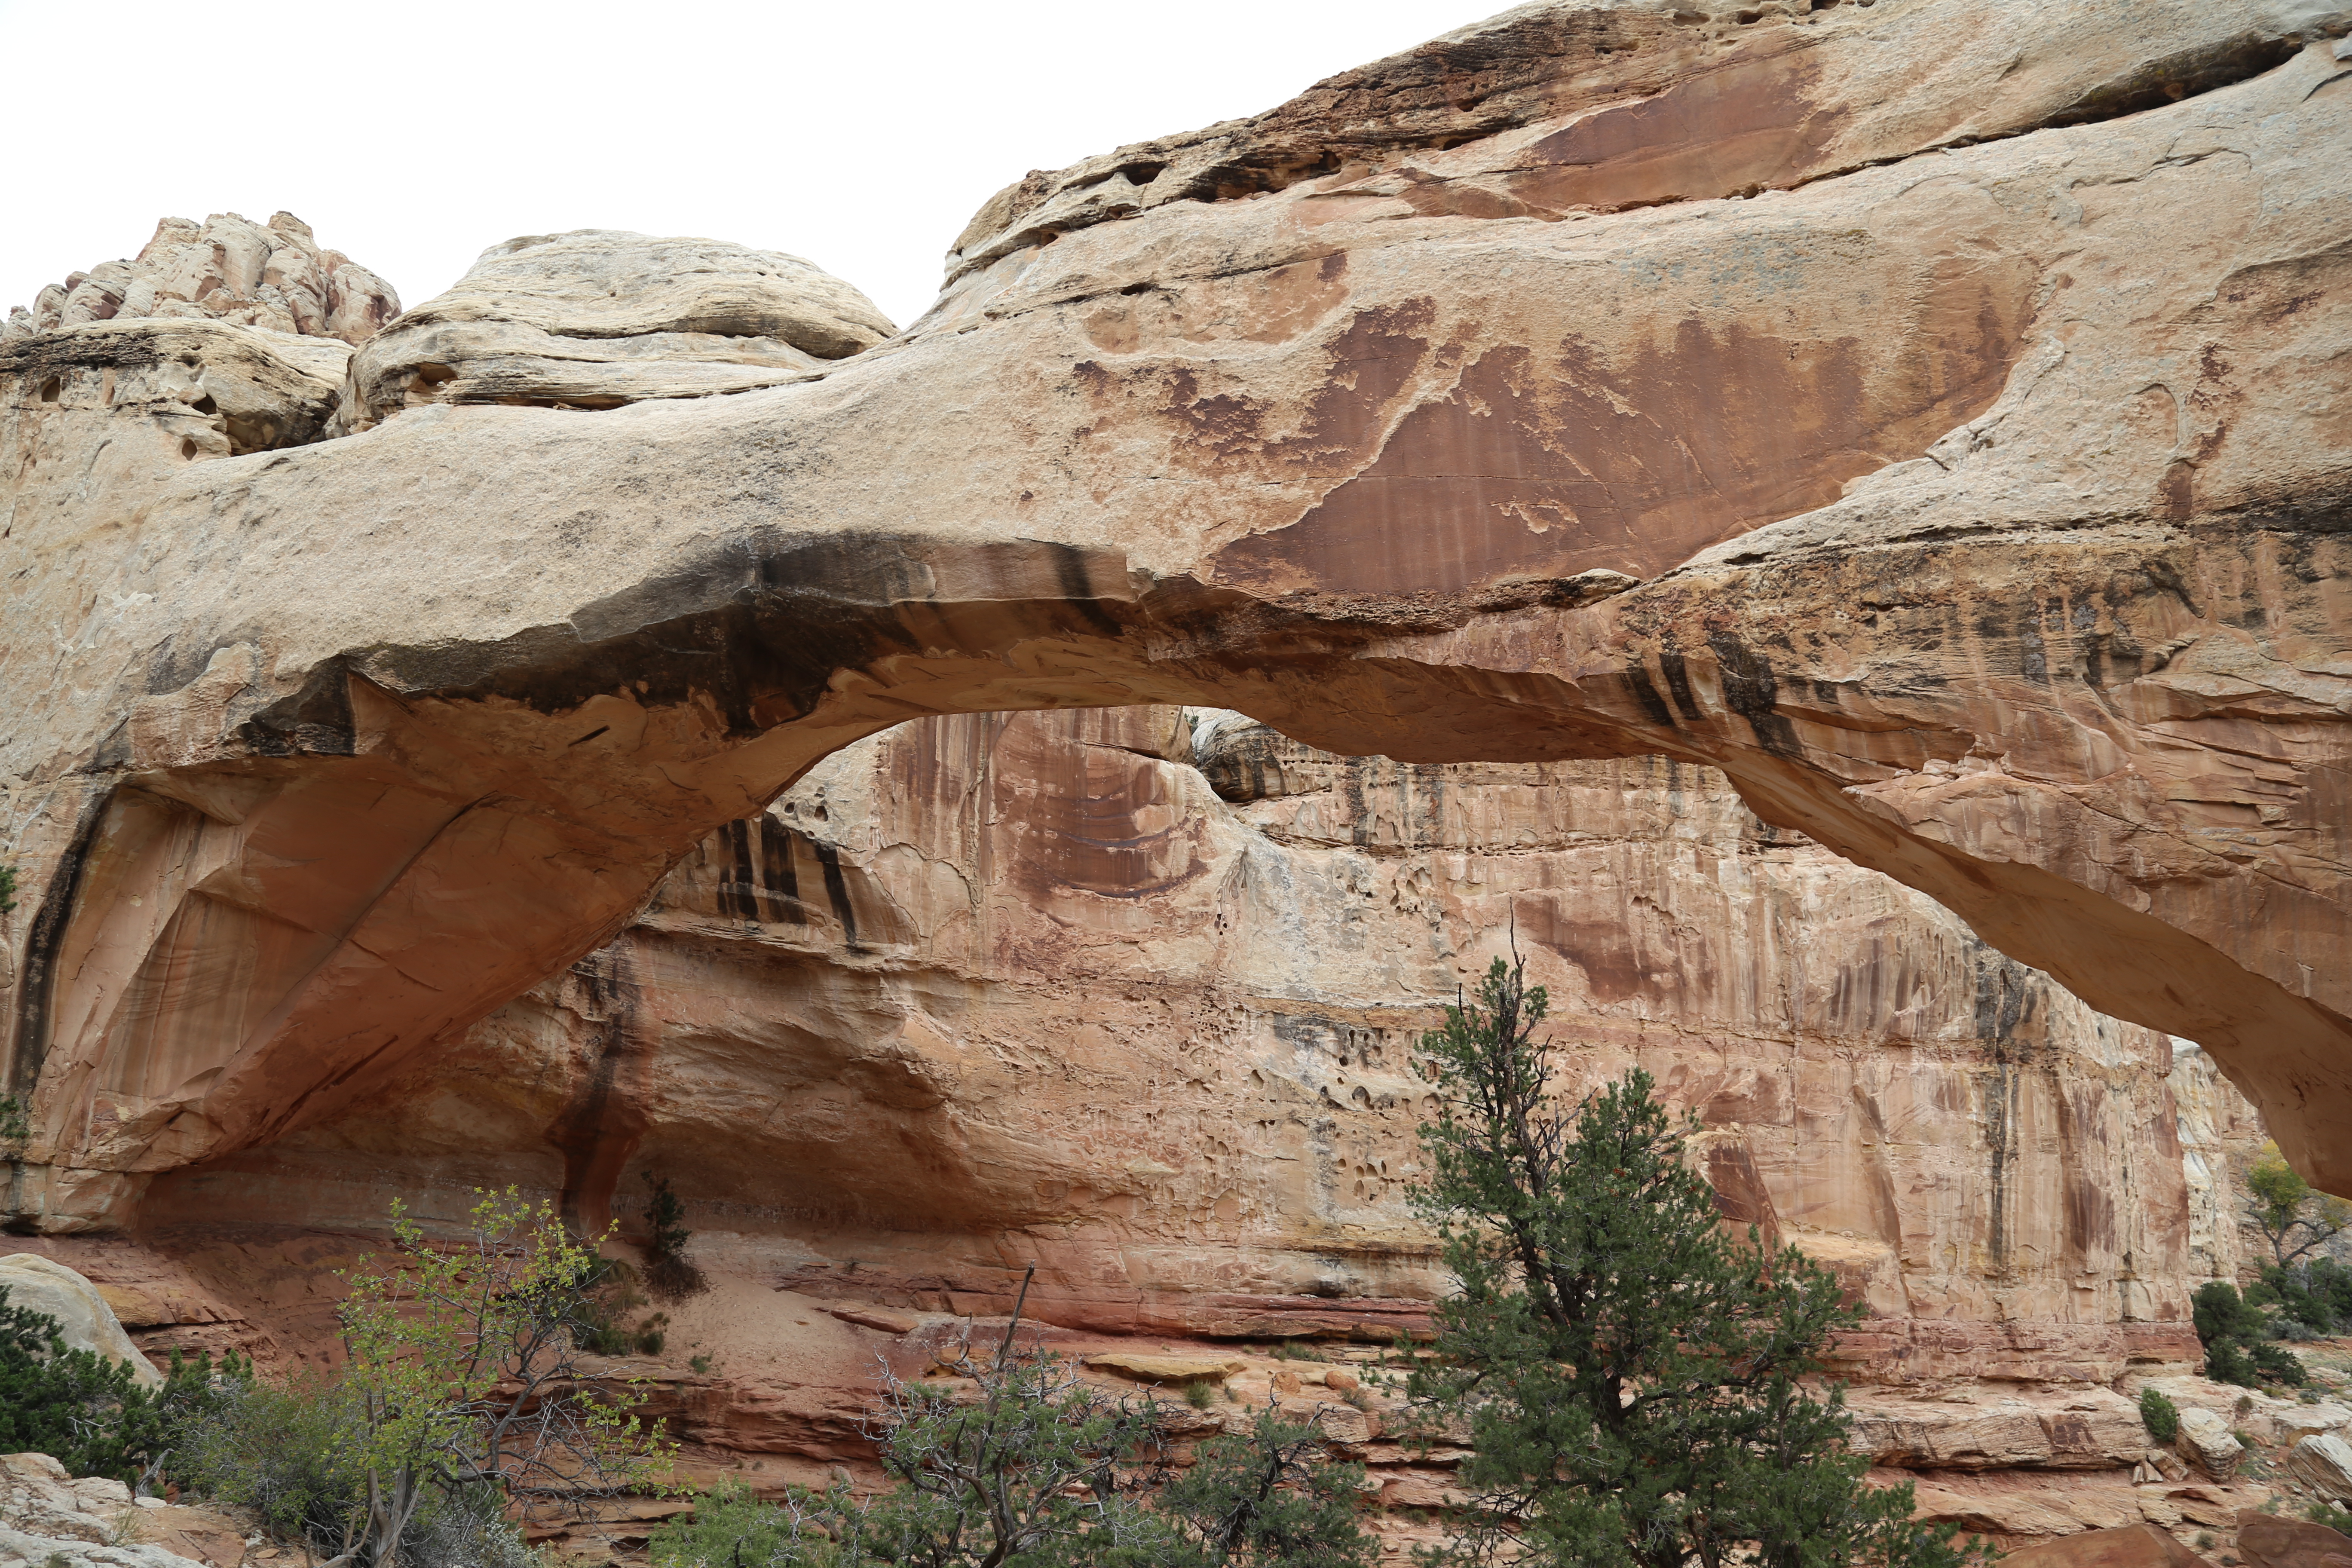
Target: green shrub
[(2312, 1299), (294, 1455), (87, 1412), (460, 1399), (1637, 1386), (1200, 1395), (2237, 1343), (2220, 1313), (668, 1272), (1264, 1496), (609, 1299), (730, 1526), (466, 1528), (2159, 1416)]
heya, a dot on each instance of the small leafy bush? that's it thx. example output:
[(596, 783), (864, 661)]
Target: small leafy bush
[(610, 1299), (1263, 1497), (294, 1455), (731, 1527), (297, 1457), (2312, 1299), (2159, 1416)]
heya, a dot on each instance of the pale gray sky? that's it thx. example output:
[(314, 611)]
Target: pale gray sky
[(411, 136)]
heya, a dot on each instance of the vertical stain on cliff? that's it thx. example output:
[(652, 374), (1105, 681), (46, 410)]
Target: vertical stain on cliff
[(2006, 1004), (1750, 691), (836, 892), (605, 1120), (36, 987)]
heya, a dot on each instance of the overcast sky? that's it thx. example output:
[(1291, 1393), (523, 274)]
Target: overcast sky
[(410, 137)]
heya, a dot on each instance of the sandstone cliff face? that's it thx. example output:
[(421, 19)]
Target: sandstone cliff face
[(997, 988), (1979, 483)]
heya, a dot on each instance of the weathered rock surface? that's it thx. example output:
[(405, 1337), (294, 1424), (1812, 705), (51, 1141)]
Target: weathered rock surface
[(85, 1320), (2324, 1463), (2207, 1438), (229, 269), (1169, 1368), (2127, 1546), (1984, 497), (48, 1518), (215, 342), (993, 989), (2270, 1542), (2083, 1428), (118, 407), (2026, 1508), (600, 318)]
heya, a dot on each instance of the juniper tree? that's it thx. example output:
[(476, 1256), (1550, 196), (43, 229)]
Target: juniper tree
[(1264, 1496), (1639, 1387)]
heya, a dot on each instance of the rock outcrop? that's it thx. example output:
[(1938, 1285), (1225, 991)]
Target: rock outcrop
[(2020, 594), (2123, 1546), (215, 342), (599, 318), (51, 1519), (85, 1321), (229, 269), (2268, 1542)]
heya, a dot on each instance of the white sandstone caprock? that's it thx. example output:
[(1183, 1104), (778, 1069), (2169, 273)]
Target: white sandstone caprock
[(600, 318), (228, 268)]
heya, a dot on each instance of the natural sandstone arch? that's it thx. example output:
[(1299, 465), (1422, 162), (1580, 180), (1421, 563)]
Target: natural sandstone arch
[(1987, 507)]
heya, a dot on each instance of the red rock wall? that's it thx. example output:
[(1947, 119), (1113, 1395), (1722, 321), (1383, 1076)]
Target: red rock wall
[(995, 988)]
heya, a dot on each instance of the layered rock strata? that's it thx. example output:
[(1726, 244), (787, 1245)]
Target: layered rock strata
[(1981, 485), (1134, 994), (1000, 988)]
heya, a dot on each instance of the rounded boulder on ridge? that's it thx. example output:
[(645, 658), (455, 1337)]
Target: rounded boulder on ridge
[(600, 318)]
